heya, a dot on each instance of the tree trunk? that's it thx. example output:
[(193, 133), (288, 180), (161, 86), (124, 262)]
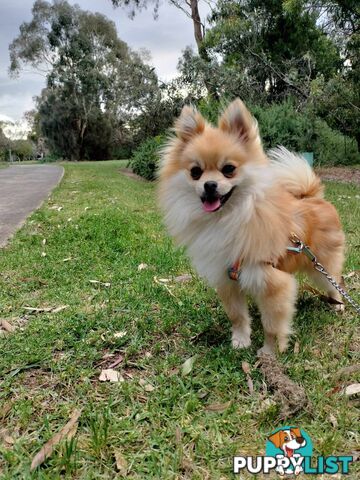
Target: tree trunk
[(199, 37), (195, 15)]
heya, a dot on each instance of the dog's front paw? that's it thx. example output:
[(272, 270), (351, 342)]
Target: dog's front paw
[(240, 341)]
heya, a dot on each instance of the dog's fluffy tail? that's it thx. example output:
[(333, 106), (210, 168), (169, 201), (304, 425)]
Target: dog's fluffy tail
[(295, 174)]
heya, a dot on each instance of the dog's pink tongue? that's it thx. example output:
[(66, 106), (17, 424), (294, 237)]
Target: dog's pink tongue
[(211, 206)]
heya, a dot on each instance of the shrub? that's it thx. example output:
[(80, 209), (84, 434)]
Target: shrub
[(145, 159), (281, 124), (332, 147)]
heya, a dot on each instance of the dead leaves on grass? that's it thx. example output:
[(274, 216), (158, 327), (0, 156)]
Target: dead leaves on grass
[(6, 326), (101, 284), (187, 366), (218, 407), (35, 310), (121, 462), (67, 432), (246, 369), (110, 375)]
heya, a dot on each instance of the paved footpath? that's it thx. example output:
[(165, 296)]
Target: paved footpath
[(23, 188)]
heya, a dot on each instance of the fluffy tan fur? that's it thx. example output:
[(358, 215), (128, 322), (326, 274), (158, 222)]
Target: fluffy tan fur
[(263, 201)]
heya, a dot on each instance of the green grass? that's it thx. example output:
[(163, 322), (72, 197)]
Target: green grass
[(107, 226)]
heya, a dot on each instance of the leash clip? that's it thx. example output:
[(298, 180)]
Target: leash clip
[(299, 246)]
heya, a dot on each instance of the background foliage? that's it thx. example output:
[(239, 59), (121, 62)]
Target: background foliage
[(295, 63)]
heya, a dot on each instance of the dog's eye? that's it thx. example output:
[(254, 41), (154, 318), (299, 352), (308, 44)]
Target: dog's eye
[(228, 170), (196, 173), (287, 439)]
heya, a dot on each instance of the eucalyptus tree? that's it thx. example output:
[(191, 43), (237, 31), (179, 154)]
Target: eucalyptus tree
[(94, 81)]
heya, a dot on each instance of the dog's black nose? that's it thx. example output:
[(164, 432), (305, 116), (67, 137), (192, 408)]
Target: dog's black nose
[(300, 440), (210, 187)]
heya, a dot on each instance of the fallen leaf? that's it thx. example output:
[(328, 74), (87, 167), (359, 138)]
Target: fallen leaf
[(121, 462), (6, 409), (187, 366), (67, 432), (142, 266), (38, 310), (59, 309), (183, 278), (333, 420), (117, 362), (147, 386), (250, 384), (104, 284), (45, 309), (202, 395), (9, 440), (7, 326), (178, 436), (44, 241), (296, 348), (246, 367), (43, 254), (120, 334), (110, 375), (218, 407), (162, 282), (353, 389)]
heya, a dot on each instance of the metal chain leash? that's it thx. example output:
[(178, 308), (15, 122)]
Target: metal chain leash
[(301, 247)]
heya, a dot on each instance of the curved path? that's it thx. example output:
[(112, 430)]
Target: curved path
[(23, 188)]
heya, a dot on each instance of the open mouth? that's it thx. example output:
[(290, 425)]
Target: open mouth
[(214, 204), (289, 451)]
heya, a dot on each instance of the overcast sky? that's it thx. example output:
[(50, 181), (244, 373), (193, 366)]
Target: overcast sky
[(165, 38)]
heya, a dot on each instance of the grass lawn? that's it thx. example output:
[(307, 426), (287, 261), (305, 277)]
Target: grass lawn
[(99, 226)]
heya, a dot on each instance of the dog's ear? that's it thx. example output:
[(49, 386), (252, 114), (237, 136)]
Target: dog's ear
[(296, 432), (189, 123), (276, 439), (237, 120)]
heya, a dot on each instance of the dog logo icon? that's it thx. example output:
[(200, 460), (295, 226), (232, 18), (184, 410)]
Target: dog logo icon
[(289, 445)]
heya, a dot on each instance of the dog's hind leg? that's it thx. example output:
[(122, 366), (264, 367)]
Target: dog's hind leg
[(235, 306), (277, 306)]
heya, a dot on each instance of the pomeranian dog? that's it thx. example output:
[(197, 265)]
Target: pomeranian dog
[(230, 204)]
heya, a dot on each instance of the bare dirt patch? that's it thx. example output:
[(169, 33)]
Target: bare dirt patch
[(340, 174)]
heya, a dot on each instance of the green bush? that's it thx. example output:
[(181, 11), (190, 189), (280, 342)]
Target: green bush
[(145, 159), (281, 124), (332, 147)]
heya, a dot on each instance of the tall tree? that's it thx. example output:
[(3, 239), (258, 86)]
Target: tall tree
[(191, 10), (94, 80)]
